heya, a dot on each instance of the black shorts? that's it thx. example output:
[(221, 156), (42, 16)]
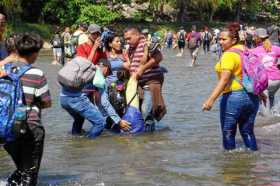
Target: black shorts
[(181, 44)]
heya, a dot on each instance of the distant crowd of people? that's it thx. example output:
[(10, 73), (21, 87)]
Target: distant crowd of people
[(209, 39)]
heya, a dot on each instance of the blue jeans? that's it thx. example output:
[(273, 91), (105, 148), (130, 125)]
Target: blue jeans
[(81, 108), (238, 107), (147, 104)]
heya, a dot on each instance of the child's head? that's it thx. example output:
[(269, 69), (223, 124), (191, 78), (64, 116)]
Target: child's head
[(28, 46)]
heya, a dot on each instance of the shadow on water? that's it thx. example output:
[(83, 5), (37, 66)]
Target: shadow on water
[(185, 151)]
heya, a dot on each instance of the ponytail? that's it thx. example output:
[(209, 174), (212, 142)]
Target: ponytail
[(267, 45)]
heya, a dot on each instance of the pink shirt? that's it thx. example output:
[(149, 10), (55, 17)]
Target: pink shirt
[(269, 59)]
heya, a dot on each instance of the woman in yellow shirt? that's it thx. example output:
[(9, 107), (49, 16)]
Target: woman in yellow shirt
[(237, 107)]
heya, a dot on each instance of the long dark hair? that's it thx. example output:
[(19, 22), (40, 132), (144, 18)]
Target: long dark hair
[(110, 38)]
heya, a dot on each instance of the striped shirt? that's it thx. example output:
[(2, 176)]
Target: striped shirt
[(136, 55), (36, 93)]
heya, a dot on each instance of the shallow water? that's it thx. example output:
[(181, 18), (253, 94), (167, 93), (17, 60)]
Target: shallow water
[(185, 151)]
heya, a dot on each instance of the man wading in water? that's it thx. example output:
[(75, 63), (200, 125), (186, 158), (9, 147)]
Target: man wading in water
[(145, 68)]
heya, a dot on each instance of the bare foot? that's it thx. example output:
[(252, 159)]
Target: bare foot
[(54, 62)]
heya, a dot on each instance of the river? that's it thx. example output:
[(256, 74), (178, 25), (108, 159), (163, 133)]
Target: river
[(184, 151)]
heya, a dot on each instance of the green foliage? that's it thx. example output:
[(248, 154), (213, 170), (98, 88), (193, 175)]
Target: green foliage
[(44, 30), (98, 14), (71, 12), (12, 8), (67, 12)]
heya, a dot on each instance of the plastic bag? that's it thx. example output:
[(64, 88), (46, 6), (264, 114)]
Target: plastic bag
[(134, 116), (99, 79)]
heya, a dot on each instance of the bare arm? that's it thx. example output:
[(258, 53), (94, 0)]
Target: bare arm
[(224, 80), (95, 47), (154, 60)]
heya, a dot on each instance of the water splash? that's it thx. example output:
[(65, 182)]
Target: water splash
[(3, 183)]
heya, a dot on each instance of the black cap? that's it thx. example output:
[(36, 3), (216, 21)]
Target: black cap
[(105, 62)]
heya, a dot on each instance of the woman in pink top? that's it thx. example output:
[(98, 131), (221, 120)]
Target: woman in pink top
[(269, 56)]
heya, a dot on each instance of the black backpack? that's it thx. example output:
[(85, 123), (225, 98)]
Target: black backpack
[(182, 36), (57, 41)]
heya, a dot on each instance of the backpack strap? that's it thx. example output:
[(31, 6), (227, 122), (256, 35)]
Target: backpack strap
[(15, 72), (240, 53)]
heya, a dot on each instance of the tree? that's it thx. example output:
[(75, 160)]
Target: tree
[(98, 14), (12, 8)]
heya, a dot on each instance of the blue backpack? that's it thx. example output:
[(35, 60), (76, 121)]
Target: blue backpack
[(11, 100)]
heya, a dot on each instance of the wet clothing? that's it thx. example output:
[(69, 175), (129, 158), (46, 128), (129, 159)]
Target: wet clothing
[(84, 50), (238, 108), (80, 107), (27, 150), (26, 153), (230, 61), (149, 77), (105, 106), (152, 99), (92, 104)]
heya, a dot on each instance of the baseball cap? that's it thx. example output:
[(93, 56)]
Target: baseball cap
[(93, 28), (261, 33)]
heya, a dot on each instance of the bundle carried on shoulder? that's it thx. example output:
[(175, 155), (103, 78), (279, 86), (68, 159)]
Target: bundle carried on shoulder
[(76, 73), (254, 74)]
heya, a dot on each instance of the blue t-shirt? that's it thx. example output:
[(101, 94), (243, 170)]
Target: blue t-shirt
[(116, 65), (3, 51)]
